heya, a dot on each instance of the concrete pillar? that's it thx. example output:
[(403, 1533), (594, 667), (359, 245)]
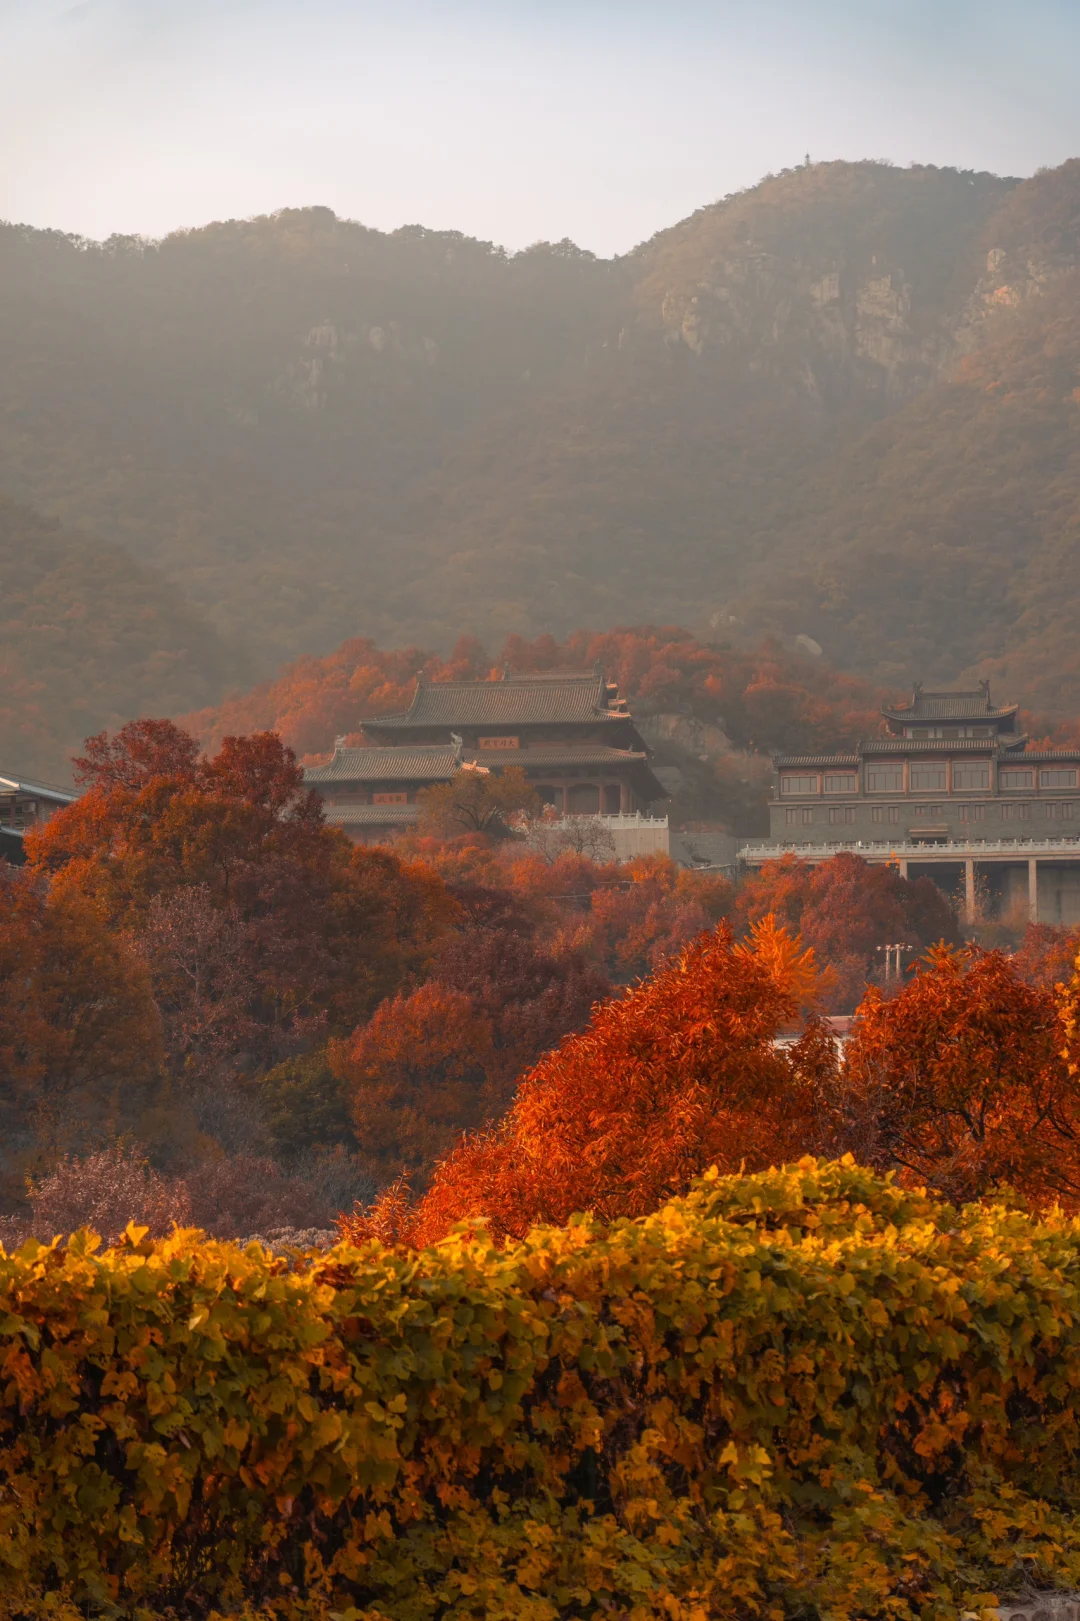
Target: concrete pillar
[(902, 864), (1033, 889), (969, 891)]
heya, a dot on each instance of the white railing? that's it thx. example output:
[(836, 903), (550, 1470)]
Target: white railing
[(908, 850)]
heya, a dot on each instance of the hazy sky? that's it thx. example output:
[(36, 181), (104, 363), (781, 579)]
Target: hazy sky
[(516, 120)]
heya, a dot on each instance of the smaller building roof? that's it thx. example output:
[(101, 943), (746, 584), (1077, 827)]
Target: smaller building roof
[(519, 700), (436, 763), (961, 705), (43, 790)]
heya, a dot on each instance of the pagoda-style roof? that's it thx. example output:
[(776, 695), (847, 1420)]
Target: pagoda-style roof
[(975, 705), (518, 700), (435, 764)]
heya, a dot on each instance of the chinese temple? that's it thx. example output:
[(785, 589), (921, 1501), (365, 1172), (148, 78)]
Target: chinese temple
[(572, 735)]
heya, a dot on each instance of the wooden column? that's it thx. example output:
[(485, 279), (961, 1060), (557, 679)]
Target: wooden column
[(969, 891), (1033, 889)]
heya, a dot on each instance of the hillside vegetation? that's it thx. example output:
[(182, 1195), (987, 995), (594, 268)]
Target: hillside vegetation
[(840, 403), (87, 637)]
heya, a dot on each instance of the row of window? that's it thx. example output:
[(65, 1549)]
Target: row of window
[(928, 776), (839, 815)]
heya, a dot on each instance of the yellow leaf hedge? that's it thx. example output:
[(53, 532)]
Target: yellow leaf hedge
[(805, 1393)]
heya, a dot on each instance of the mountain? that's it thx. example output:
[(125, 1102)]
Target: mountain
[(87, 639), (839, 404)]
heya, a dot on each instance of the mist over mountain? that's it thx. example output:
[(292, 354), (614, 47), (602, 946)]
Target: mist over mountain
[(844, 403)]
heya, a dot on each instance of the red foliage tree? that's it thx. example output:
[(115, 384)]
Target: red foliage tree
[(963, 1080), (321, 929)]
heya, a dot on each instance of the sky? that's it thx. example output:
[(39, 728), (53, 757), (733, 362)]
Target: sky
[(512, 120)]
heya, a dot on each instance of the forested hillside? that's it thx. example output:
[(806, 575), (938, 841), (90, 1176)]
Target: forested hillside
[(87, 638), (843, 403)]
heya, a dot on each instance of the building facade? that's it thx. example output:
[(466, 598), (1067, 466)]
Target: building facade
[(572, 735), (951, 767), (951, 791)]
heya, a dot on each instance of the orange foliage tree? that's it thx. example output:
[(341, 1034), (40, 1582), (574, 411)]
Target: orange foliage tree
[(846, 909), (677, 1074), (961, 1081)]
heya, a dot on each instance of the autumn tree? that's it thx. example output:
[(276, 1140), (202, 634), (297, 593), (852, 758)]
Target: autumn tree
[(847, 910), (960, 1081), (310, 929), (446, 1058), (679, 1073), (80, 1036), (477, 801)]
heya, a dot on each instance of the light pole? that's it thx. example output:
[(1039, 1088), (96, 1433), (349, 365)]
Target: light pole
[(892, 954)]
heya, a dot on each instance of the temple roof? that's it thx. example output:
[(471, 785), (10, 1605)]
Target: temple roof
[(520, 700), (437, 763), (962, 705)]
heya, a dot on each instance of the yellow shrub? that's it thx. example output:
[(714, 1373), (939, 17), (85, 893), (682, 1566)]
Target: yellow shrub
[(807, 1392)]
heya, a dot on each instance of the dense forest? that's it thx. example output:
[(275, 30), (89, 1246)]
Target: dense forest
[(841, 404)]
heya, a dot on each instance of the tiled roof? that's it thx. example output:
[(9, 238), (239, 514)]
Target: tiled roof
[(435, 764), (22, 785), (523, 700), (784, 762), (555, 754), (1049, 757), (371, 815), (941, 745), (950, 706)]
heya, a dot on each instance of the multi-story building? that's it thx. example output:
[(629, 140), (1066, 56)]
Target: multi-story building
[(572, 735), (950, 781)]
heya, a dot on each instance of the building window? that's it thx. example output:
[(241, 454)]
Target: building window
[(965, 776), (1057, 776), (973, 813), (840, 782), (927, 774), (611, 799), (497, 742), (389, 799), (928, 810), (841, 813), (1060, 812), (800, 785), (1016, 813), (884, 779), (791, 816), (1014, 777), (885, 813), (807, 814)]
